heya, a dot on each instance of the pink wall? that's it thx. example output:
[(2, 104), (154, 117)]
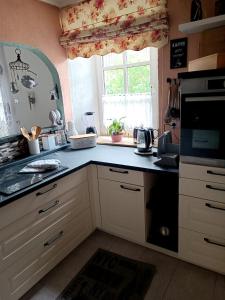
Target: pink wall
[(37, 24), (179, 12)]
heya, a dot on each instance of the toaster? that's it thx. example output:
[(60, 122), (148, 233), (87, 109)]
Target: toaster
[(83, 141)]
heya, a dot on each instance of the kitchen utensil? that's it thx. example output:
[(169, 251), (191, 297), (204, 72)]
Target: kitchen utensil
[(35, 131), (144, 140), (28, 82), (26, 134)]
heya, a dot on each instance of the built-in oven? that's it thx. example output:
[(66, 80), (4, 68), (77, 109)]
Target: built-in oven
[(203, 118)]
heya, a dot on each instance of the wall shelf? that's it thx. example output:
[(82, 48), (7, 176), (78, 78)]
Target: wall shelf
[(202, 25)]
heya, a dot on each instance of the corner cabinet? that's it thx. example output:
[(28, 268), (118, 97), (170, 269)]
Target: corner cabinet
[(40, 229), (122, 201)]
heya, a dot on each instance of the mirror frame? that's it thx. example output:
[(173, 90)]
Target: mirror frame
[(55, 78)]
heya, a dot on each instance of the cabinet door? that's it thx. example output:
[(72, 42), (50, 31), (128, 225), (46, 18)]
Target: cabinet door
[(122, 209)]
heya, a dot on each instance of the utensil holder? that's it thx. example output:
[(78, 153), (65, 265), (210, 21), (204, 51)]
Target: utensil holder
[(34, 147)]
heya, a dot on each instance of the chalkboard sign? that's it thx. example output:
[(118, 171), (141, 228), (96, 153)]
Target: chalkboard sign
[(178, 53)]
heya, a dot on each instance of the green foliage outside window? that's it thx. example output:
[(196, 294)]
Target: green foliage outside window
[(138, 80)]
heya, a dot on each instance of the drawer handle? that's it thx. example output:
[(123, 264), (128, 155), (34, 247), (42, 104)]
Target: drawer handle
[(42, 193), (214, 243), (214, 207), (55, 238), (215, 173), (208, 186), (130, 189), (117, 171), (41, 211)]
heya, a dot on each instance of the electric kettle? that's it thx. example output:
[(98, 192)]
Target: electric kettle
[(145, 139)]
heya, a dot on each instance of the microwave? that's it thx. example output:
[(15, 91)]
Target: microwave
[(202, 137)]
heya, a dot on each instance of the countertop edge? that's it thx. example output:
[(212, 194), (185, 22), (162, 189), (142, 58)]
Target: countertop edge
[(69, 171)]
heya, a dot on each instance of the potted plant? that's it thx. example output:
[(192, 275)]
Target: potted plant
[(116, 130)]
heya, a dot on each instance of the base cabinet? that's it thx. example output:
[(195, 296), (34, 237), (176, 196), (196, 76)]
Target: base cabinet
[(202, 216), (31, 245), (202, 249), (122, 209)]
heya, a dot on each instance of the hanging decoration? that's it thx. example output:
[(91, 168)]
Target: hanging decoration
[(20, 72), (104, 26)]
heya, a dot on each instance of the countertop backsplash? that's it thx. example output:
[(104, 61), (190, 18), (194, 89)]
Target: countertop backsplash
[(13, 149)]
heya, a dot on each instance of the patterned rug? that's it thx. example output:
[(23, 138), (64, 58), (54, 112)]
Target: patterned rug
[(109, 276)]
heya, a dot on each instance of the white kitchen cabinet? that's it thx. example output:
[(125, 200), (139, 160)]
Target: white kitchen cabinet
[(121, 175), (203, 250), (122, 209), (45, 226), (202, 216)]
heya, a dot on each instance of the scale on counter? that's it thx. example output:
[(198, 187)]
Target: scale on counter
[(11, 181)]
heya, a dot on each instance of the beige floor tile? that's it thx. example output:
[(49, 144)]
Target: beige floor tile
[(219, 292), (191, 282), (126, 248), (165, 268)]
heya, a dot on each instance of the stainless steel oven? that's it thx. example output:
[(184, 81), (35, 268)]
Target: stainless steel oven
[(203, 117)]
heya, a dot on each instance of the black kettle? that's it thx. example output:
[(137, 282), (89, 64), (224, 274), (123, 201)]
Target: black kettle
[(145, 139)]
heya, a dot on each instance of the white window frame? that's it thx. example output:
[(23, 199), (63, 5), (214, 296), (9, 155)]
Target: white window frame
[(153, 62)]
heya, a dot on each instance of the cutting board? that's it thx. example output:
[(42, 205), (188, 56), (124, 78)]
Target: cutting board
[(106, 140)]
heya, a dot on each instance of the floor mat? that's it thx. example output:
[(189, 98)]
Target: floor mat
[(109, 276)]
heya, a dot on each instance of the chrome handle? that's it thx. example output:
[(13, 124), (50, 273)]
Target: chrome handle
[(41, 211), (117, 171), (214, 243), (214, 207), (208, 186), (215, 173), (55, 238), (42, 193), (129, 188)]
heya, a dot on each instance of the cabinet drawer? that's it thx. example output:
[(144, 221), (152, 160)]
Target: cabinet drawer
[(122, 209), (21, 276), (203, 216), (15, 210), (202, 189), (18, 235), (37, 242), (203, 173), (122, 175), (202, 249)]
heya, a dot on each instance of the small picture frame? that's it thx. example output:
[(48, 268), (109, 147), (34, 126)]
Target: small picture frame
[(178, 53)]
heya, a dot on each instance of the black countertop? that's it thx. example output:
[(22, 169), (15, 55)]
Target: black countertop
[(122, 157)]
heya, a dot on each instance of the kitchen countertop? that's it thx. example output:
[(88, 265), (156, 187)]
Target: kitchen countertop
[(121, 157)]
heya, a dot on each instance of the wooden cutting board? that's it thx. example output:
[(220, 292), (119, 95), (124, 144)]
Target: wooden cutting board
[(106, 140)]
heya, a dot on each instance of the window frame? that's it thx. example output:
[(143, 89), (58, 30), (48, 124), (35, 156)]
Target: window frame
[(153, 62), (125, 66)]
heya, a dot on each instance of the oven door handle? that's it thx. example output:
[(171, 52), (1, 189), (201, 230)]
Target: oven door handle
[(204, 98)]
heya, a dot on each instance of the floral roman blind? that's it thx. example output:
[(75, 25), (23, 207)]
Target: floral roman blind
[(104, 26)]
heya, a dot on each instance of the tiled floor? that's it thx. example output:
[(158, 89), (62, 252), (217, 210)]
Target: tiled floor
[(174, 280)]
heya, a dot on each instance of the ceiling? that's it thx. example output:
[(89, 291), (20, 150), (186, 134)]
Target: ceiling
[(61, 3)]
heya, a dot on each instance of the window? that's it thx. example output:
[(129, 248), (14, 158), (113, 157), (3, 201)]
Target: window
[(128, 88)]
